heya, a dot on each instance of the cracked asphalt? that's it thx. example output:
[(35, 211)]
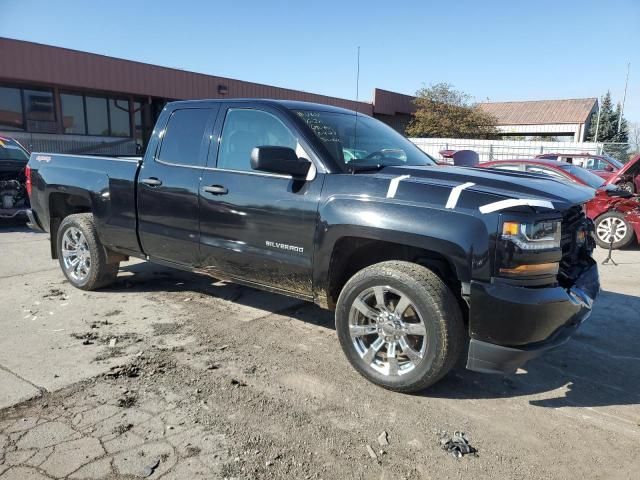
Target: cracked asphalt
[(172, 375)]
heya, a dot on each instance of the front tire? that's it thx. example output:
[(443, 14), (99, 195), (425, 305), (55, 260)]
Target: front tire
[(83, 258), (613, 225), (399, 325)]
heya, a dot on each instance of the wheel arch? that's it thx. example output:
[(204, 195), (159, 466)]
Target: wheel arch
[(61, 205), (351, 254)]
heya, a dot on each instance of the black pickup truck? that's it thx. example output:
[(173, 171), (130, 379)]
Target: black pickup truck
[(421, 262)]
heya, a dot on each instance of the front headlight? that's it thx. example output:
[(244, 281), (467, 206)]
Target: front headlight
[(533, 236)]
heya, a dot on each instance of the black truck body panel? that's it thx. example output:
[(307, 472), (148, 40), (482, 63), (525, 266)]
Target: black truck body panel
[(282, 234), (105, 185)]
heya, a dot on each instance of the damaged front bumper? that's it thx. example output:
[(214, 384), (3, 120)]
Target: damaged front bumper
[(510, 325), (633, 217)]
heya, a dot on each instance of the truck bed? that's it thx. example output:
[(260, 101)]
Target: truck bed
[(76, 183)]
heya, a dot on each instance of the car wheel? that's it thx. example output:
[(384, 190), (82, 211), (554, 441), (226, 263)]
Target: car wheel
[(82, 256), (399, 325), (613, 226), (627, 187)]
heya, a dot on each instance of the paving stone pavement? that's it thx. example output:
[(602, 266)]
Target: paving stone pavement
[(95, 439)]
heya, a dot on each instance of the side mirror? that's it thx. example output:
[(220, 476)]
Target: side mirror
[(281, 160)]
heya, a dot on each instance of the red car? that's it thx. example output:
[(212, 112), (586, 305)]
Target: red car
[(625, 175), (615, 212)]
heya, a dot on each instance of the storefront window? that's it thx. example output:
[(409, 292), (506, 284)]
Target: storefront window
[(39, 105), (11, 109), (119, 114), (73, 113), (97, 118)]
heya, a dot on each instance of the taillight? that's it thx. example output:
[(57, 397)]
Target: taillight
[(27, 172)]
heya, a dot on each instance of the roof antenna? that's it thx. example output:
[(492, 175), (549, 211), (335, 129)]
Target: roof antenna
[(355, 133)]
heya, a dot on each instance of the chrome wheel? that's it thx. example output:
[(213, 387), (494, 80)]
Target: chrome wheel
[(387, 330), (611, 228), (76, 255)]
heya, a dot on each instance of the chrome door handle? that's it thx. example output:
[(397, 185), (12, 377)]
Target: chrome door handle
[(216, 189), (152, 181)]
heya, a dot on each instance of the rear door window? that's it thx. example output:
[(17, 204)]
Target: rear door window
[(183, 138)]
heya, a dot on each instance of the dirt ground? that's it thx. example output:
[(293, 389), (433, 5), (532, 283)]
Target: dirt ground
[(177, 376)]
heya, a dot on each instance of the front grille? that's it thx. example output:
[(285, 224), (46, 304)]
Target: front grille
[(573, 254)]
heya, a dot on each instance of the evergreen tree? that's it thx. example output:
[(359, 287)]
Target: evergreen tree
[(615, 142), (608, 121), (623, 135), (619, 147)]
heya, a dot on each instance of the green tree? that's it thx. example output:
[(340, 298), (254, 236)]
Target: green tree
[(444, 112), (616, 142), (622, 135), (634, 139), (607, 125)]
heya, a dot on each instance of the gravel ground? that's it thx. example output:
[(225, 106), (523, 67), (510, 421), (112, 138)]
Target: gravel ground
[(210, 380)]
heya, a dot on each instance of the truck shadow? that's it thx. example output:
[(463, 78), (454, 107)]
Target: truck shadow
[(599, 366), (153, 278), (16, 224)]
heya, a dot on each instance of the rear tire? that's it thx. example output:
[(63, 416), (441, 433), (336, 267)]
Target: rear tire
[(409, 306), (613, 223), (83, 258)]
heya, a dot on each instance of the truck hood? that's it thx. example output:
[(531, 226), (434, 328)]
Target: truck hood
[(13, 158), (632, 168), (505, 184)]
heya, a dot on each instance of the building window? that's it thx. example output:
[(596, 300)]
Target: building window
[(97, 116), (137, 120), (39, 105), (73, 120), (119, 115), (11, 109), (141, 123)]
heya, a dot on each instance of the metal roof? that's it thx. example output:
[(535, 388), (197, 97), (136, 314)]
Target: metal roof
[(541, 112)]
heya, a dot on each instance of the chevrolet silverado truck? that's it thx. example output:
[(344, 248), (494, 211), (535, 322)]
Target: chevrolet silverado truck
[(421, 263)]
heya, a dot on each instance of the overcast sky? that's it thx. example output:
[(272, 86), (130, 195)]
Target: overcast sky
[(496, 50)]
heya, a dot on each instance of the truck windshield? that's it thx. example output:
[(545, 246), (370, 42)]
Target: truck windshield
[(617, 163), (11, 150), (364, 144)]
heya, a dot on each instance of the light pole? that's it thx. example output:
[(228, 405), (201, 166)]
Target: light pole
[(624, 97)]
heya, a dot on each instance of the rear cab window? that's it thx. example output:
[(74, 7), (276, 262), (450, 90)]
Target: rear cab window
[(183, 137)]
